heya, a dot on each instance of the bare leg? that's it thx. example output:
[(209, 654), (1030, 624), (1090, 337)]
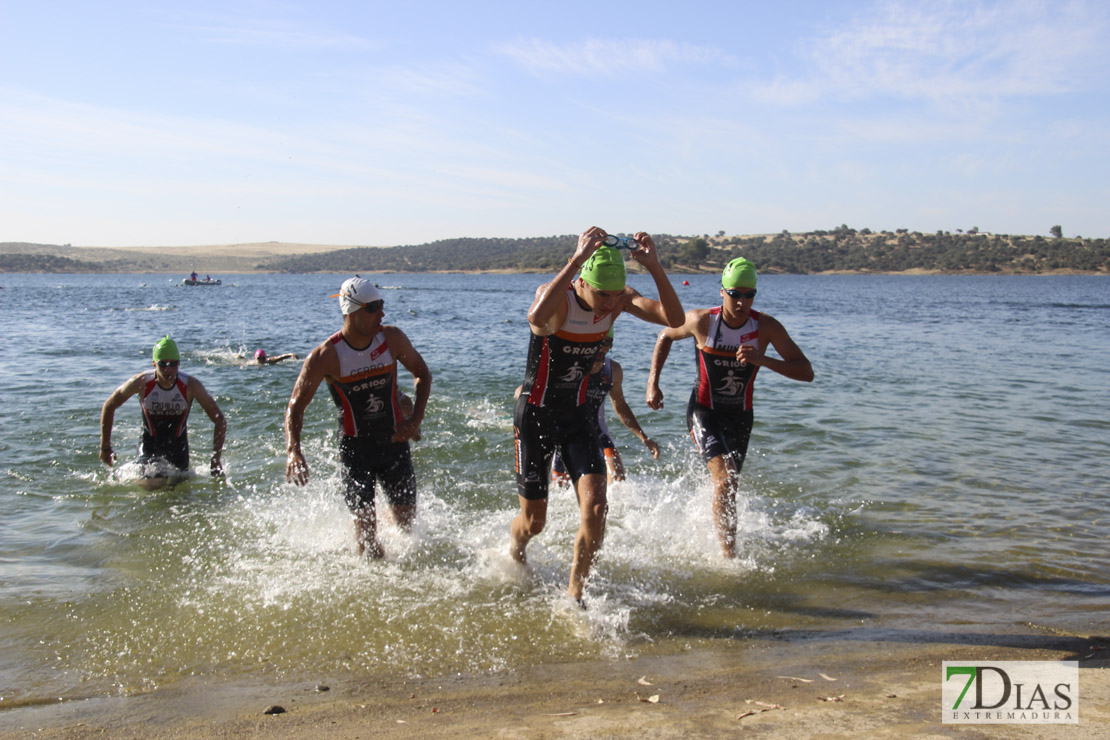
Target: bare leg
[(403, 516), (593, 506), (366, 533), (526, 525), (724, 480), (153, 484)]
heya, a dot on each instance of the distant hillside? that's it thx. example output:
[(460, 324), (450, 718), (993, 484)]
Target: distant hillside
[(838, 250), (536, 254), (213, 259)]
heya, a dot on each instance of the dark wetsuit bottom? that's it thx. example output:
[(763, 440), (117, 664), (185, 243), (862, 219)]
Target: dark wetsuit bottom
[(720, 433), (604, 441), (364, 462), (175, 453), (539, 432)]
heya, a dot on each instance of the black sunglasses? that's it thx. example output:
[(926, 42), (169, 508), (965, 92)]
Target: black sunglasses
[(738, 294), (168, 363), (373, 306)]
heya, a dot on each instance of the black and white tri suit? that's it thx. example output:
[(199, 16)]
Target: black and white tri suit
[(552, 411), (365, 394), (719, 413)]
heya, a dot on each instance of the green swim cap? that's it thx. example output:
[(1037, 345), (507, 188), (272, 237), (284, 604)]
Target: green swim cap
[(166, 349), (739, 274), (605, 269)]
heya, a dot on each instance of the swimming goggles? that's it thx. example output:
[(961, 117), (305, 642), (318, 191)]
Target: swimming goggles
[(621, 242)]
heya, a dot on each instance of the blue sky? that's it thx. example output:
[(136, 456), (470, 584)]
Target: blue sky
[(375, 123)]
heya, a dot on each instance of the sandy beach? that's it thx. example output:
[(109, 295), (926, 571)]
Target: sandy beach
[(849, 686)]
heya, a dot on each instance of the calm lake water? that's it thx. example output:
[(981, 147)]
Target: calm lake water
[(946, 471)]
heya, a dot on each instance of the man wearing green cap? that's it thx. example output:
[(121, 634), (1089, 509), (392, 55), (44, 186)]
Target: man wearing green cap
[(731, 343), (166, 396), (569, 319)]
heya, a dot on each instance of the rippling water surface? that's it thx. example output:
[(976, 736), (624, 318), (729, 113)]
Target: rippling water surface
[(947, 467)]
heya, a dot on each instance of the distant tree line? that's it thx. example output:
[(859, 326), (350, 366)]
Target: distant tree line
[(841, 249), (49, 263), (851, 250)]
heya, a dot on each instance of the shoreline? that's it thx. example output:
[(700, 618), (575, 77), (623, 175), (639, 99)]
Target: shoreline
[(850, 684), (674, 273), (250, 258)]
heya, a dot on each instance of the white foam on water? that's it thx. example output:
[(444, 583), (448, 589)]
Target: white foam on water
[(268, 575), (153, 307)]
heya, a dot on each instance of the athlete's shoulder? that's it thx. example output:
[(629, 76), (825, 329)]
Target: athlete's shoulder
[(324, 359), (136, 382), (192, 384), (396, 338), (699, 317), (391, 331), (765, 319)]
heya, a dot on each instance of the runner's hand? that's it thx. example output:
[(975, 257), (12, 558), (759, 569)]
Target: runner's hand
[(406, 430), (654, 397), (749, 354), (647, 254), (296, 469), (652, 447)]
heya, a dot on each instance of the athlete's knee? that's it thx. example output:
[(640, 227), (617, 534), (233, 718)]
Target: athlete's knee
[(533, 524), (592, 496), (532, 517), (403, 515)]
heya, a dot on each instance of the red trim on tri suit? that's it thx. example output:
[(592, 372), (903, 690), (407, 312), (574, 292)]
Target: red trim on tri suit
[(348, 413), (539, 386), (398, 417), (749, 392), (705, 393)]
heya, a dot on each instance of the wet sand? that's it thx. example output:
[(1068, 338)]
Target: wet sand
[(844, 685)]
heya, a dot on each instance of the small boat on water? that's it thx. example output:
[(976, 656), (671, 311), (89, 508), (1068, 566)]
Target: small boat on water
[(200, 281)]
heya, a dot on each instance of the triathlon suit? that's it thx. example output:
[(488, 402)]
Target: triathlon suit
[(597, 391), (719, 414), (365, 393), (552, 411), (165, 412)]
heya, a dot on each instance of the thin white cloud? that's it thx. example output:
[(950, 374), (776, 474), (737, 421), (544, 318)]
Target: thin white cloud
[(609, 57), (950, 50), (268, 32)]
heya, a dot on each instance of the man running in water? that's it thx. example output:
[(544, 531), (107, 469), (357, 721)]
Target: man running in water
[(607, 381), (359, 365), (166, 396), (731, 341), (568, 319)]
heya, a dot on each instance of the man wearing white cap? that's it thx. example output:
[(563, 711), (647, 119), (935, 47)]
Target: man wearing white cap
[(731, 343), (359, 365)]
